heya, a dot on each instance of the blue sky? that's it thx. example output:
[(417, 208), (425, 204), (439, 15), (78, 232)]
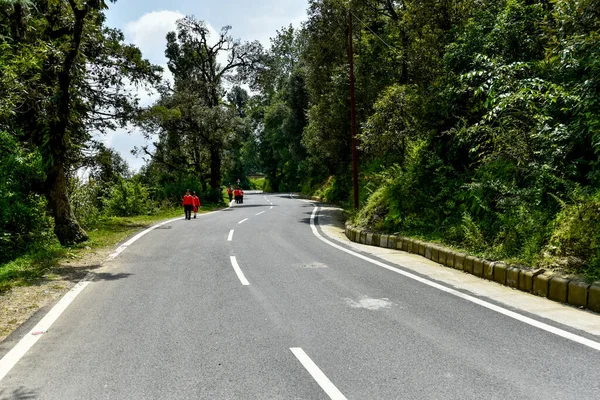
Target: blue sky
[(146, 22)]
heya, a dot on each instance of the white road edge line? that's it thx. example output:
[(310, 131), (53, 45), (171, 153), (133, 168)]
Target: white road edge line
[(242, 221), (530, 321), (317, 374), (238, 271), (16, 353), (230, 237), (262, 212), (11, 358)]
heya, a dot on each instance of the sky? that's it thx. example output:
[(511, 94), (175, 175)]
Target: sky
[(145, 23)]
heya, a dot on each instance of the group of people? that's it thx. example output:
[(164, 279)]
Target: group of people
[(236, 193), (191, 202)]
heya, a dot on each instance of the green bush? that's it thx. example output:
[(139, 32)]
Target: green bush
[(128, 198), (84, 202), (576, 235), (24, 223)]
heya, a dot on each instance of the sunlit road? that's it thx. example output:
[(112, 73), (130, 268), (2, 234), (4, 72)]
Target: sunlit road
[(249, 303)]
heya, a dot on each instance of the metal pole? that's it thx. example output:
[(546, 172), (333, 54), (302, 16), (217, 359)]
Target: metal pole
[(352, 110)]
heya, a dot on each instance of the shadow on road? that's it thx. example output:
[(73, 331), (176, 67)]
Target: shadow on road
[(107, 276), (20, 393)]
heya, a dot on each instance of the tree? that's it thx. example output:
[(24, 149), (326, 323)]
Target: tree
[(194, 109), (76, 84)]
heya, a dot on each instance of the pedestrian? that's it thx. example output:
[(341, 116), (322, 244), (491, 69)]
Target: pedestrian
[(241, 196), (188, 204), (230, 193), (196, 203), (236, 195)]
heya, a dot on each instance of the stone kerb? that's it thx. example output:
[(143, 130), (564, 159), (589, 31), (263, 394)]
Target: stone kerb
[(573, 292)]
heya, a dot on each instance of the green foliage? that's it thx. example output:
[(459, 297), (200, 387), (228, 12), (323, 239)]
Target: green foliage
[(576, 237), (128, 198), (23, 221)]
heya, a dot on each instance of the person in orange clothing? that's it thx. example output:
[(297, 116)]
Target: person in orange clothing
[(188, 204), (236, 194), (241, 196), (196, 203)]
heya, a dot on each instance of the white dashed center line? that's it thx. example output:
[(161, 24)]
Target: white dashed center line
[(230, 237), (238, 271), (317, 374), (242, 221), (262, 212)]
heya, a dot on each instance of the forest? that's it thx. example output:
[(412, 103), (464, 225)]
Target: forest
[(478, 122)]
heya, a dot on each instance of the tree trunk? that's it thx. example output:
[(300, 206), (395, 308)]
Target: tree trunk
[(66, 227), (215, 169)]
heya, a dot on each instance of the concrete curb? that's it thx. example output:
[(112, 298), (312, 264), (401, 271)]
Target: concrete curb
[(573, 292)]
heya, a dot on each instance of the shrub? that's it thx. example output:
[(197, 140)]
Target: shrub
[(128, 198)]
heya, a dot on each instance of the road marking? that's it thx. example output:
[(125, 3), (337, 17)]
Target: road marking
[(270, 208), (238, 271), (16, 353), (230, 237), (262, 212), (317, 374), (11, 358), (242, 221), (530, 321)]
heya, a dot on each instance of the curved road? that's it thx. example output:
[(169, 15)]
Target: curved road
[(249, 303)]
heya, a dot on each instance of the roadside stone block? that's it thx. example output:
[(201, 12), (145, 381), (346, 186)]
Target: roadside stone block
[(357, 235), (405, 244), (442, 255), (578, 293), (422, 248), (540, 285), (526, 281), (363, 237), (500, 272), (400, 243), (428, 251), (488, 270), (477, 267), (434, 253), (409, 245), (450, 257), (391, 242), (459, 261), (594, 298), (376, 237), (558, 289), (512, 277), (468, 264), (383, 241), (369, 238)]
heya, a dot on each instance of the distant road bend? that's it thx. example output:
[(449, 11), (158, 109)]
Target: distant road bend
[(249, 303)]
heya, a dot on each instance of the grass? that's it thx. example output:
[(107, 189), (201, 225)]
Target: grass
[(44, 261)]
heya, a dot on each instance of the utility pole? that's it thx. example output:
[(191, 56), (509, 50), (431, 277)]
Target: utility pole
[(352, 108)]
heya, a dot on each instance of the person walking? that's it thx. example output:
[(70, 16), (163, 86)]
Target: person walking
[(188, 204), (196, 203), (236, 195), (241, 196), (230, 193)]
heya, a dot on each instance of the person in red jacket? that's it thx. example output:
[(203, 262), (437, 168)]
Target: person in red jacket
[(236, 194), (230, 193), (196, 203), (188, 204), (241, 196)]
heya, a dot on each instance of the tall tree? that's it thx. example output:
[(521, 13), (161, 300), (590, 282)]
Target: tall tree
[(81, 70)]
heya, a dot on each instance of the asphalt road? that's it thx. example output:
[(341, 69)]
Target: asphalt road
[(171, 318)]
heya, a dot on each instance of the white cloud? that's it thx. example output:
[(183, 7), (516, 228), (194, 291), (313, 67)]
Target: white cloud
[(149, 33)]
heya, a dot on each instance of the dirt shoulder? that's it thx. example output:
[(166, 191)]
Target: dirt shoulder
[(20, 303)]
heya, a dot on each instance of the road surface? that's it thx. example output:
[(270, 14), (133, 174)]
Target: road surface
[(249, 303)]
